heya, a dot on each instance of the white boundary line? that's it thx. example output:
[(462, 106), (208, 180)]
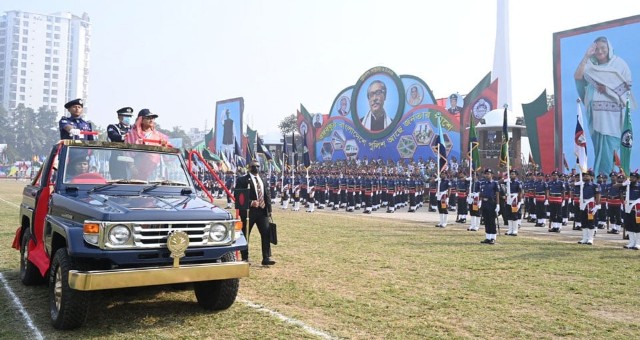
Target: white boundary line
[(9, 203), (289, 320), (36, 332)]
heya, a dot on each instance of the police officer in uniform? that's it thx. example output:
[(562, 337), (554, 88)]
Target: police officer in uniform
[(489, 198), (589, 207), (71, 126), (556, 191), (614, 203), (116, 133), (513, 203)]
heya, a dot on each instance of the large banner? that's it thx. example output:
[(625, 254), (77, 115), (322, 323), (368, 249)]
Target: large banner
[(383, 116), (597, 64), (228, 126)]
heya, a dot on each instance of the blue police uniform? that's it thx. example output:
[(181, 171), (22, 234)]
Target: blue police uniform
[(77, 123), (632, 216), (488, 195)]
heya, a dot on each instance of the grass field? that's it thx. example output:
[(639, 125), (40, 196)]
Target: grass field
[(369, 277)]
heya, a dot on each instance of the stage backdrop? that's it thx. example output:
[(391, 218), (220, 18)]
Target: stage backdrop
[(383, 116), (569, 49)]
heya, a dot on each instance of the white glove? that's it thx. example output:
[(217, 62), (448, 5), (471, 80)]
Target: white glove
[(439, 195), (625, 183), (546, 202), (578, 183), (562, 203), (520, 204), (508, 180), (469, 200), (497, 209), (468, 179), (74, 132)]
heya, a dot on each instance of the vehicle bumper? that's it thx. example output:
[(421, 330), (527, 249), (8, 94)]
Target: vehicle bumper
[(124, 278)]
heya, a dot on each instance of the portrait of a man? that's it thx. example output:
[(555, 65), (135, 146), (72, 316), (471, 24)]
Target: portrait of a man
[(343, 110), (317, 120), (453, 108), (376, 119), (414, 97)]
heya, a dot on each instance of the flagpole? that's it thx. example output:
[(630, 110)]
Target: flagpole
[(506, 141)]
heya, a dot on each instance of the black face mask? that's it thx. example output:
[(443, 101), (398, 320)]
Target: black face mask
[(253, 170)]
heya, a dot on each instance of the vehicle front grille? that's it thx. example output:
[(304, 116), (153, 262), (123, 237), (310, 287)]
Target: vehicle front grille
[(155, 235)]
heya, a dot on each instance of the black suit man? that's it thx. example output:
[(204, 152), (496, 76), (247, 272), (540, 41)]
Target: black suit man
[(259, 210)]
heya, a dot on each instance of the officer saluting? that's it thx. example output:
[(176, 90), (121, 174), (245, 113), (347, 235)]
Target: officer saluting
[(116, 132), (489, 197), (70, 127)]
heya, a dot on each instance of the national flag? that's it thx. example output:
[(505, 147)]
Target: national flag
[(305, 152), (564, 162), (616, 162), (504, 150), (474, 152), (262, 149), (439, 148), (626, 141), (580, 140), (294, 150), (209, 142)]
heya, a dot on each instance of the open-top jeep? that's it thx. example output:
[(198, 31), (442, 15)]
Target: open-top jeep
[(103, 215)]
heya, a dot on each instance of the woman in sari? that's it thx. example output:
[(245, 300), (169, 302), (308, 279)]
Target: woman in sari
[(603, 81), (144, 132)]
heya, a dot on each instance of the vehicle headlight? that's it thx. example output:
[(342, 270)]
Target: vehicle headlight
[(218, 232), (119, 235)]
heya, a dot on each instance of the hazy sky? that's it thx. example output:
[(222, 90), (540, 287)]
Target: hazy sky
[(178, 58)]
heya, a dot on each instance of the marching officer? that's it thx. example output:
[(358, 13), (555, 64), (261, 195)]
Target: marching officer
[(589, 206), (513, 204), (71, 127), (442, 197), (556, 192), (614, 204), (541, 190), (489, 198)]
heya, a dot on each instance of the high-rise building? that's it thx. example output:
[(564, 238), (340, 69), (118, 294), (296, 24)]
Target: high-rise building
[(44, 59)]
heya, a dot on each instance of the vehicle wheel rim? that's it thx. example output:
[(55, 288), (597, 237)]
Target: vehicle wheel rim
[(57, 289)]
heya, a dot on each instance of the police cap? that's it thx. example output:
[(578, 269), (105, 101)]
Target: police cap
[(453, 96), (488, 171), (555, 172), (514, 171), (74, 102), (635, 174), (125, 111), (146, 113)]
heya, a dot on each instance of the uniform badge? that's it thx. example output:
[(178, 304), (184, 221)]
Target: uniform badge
[(481, 108), (627, 139)]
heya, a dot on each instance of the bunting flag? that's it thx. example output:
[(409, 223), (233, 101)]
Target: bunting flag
[(439, 149), (294, 150), (580, 147), (564, 162), (626, 141), (504, 150), (305, 153), (285, 154), (474, 152), (263, 149), (616, 162)]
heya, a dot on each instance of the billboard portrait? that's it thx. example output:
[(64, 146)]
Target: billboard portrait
[(228, 126), (594, 67), (378, 102)]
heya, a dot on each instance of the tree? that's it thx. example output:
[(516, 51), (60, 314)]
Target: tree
[(288, 124)]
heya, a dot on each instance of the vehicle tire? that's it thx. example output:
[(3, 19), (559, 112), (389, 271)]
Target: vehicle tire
[(29, 273), (68, 307), (217, 294)]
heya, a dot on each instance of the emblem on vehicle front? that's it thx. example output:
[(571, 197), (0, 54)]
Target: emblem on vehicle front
[(177, 242)]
